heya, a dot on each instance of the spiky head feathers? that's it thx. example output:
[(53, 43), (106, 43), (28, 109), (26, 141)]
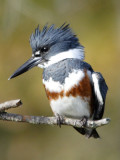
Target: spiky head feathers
[(50, 36)]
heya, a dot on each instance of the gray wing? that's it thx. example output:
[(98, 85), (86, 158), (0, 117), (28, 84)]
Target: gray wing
[(99, 91)]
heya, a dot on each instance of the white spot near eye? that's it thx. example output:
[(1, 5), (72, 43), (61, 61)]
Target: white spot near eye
[(37, 53)]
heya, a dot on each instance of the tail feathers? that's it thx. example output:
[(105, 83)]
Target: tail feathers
[(88, 132)]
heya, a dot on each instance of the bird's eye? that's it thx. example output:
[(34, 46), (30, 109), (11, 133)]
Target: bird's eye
[(44, 49)]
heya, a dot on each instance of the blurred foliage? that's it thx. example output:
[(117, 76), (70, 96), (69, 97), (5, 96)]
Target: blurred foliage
[(97, 24)]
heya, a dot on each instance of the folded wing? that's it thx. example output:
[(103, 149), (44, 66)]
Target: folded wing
[(100, 90)]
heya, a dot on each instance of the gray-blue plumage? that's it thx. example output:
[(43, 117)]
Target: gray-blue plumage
[(56, 39), (59, 71)]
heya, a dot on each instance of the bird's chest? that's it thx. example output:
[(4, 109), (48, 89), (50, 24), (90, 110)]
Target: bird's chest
[(70, 96)]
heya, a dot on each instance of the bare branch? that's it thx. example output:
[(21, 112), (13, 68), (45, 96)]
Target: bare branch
[(45, 120), (10, 104)]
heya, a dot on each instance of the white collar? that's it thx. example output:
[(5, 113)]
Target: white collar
[(72, 53)]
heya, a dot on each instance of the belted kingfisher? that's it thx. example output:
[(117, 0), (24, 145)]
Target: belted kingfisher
[(73, 89)]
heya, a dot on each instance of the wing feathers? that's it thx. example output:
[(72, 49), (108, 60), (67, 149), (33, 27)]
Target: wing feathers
[(100, 91)]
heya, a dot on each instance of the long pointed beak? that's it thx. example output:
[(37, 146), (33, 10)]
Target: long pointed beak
[(32, 62)]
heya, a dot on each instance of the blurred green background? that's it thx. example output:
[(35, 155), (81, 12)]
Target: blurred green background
[(97, 24)]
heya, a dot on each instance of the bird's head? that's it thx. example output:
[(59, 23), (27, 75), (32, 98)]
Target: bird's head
[(51, 45)]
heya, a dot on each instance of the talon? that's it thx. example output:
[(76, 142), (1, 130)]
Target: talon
[(59, 120), (84, 121)]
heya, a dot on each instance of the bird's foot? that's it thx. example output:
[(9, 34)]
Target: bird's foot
[(59, 119), (84, 121)]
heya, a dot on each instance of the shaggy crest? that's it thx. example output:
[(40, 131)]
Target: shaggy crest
[(49, 36)]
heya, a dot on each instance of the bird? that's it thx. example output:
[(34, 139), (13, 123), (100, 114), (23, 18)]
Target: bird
[(73, 88)]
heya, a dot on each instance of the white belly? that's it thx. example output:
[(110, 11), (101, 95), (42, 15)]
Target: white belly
[(74, 107)]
